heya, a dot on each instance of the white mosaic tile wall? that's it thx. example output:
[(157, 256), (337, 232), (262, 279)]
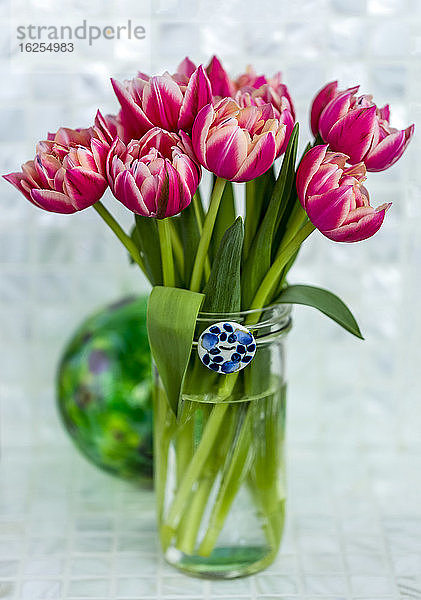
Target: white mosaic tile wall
[(55, 269), (358, 405)]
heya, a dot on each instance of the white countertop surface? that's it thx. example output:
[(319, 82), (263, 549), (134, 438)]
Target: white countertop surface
[(69, 531)]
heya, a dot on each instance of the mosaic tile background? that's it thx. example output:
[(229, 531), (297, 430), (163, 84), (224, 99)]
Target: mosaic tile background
[(354, 418)]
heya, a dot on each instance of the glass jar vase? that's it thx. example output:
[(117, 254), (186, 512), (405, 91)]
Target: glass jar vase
[(219, 463)]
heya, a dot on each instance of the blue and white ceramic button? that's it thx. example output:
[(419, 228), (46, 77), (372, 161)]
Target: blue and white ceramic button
[(226, 347)]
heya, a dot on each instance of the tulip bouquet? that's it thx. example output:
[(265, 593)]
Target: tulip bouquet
[(207, 265)]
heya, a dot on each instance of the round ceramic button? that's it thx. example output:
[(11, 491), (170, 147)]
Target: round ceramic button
[(226, 347)]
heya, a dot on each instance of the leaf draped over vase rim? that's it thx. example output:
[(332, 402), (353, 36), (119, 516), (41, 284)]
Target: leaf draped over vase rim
[(201, 258)]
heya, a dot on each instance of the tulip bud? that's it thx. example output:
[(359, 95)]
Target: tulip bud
[(67, 174), (270, 88), (357, 127), (267, 95), (334, 198), (322, 99), (222, 86), (110, 127), (166, 101), (235, 143), (153, 176), (186, 68)]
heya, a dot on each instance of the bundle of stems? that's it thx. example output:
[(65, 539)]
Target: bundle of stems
[(225, 431)]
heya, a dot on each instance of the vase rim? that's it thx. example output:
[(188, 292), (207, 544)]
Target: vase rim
[(277, 307), (276, 319)]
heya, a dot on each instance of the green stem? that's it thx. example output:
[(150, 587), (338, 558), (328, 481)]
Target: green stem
[(187, 535), (263, 294), (177, 248), (250, 222), (188, 529), (295, 222), (238, 462), (193, 471), (198, 210), (198, 213), (202, 249), (198, 205), (163, 427), (166, 252), (122, 236)]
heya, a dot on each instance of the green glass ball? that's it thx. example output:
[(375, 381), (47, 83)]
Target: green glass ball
[(104, 390)]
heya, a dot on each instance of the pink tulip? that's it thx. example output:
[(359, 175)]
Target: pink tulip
[(152, 177), (270, 88), (109, 127), (267, 95), (357, 127), (166, 101), (249, 89), (322, 99), (185, 69), (334, 198), (237, 143), (68, 172), (222, 86)]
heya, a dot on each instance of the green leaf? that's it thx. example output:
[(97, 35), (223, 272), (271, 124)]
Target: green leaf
[(258, 194), (264, 191), (171, 320), (289, 208), (224, 218), (146, 239), (323, 300), (223, 290), (260, 256)]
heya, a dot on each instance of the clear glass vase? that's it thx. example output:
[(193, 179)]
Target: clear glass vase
[(219, 464)]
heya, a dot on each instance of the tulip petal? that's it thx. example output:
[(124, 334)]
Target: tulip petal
[(106, 127), (127, 192), (100, 152), (169, 197), (218, 77), (30, 174), (226, 151), (389, 150), (84, 187), (67, 137), (16, 180), (186, 145), (288, 120), (53, 201), (114, 162), (308, 167), (46, 166), (353, 133), (186, 67), (200, 132), (134, 120), (85, 158), (328, 176), (189, 172), (59, 179), (322, 99), (328, 211), (162, 100), (385, 113), (259, 160), (359, 230), (197, 95), (160, 139), (334, 110)]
